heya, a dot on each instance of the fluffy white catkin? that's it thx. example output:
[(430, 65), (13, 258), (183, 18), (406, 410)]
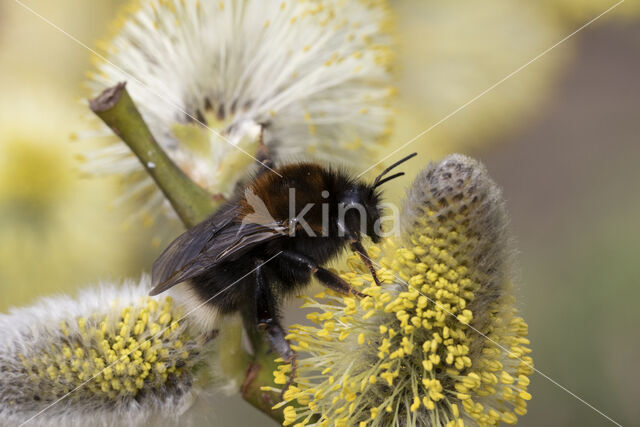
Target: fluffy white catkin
[(313, 75)]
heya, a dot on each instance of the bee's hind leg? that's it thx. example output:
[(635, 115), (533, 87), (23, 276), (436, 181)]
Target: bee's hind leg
[(267, 317)]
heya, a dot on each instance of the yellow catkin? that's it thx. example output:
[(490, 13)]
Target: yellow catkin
[(429, 343), (132, 354)]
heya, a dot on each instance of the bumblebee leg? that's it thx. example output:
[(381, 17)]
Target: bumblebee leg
[(326, 277), (357, 247), (267, 317)]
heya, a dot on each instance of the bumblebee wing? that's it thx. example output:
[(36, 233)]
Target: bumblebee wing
[(176, 261), (246, 237), (192, 253)]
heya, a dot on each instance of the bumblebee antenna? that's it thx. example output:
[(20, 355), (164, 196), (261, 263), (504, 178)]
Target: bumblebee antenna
[(389, 178), (379, 181)]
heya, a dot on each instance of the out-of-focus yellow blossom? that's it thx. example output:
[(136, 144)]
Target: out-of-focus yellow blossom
[(579, 12), (56, 228), (440, 342), (450, 52), (35, 51)]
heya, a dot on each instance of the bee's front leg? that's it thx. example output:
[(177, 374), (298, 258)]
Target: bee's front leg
[(357, 247)]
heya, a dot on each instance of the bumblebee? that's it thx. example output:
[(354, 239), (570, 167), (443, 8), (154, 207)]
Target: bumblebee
[(270, 240)]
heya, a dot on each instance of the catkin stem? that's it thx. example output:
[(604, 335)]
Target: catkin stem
[(116, 108), (260, 373)]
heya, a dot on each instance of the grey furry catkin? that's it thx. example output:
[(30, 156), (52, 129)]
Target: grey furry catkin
[(111, 356), (446, 193)]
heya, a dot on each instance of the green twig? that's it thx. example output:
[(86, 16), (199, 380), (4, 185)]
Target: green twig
[(260, 373), (193, 204), (116, 108)]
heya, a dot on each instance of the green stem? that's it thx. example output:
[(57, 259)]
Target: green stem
[(192, 204), (260, 373)]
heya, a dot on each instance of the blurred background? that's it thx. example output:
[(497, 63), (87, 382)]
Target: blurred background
[(562, 137)]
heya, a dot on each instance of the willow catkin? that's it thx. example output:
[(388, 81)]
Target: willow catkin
[(111, 356), (439, 343)]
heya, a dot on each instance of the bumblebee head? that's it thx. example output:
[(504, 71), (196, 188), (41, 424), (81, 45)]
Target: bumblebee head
[(370, 198)]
